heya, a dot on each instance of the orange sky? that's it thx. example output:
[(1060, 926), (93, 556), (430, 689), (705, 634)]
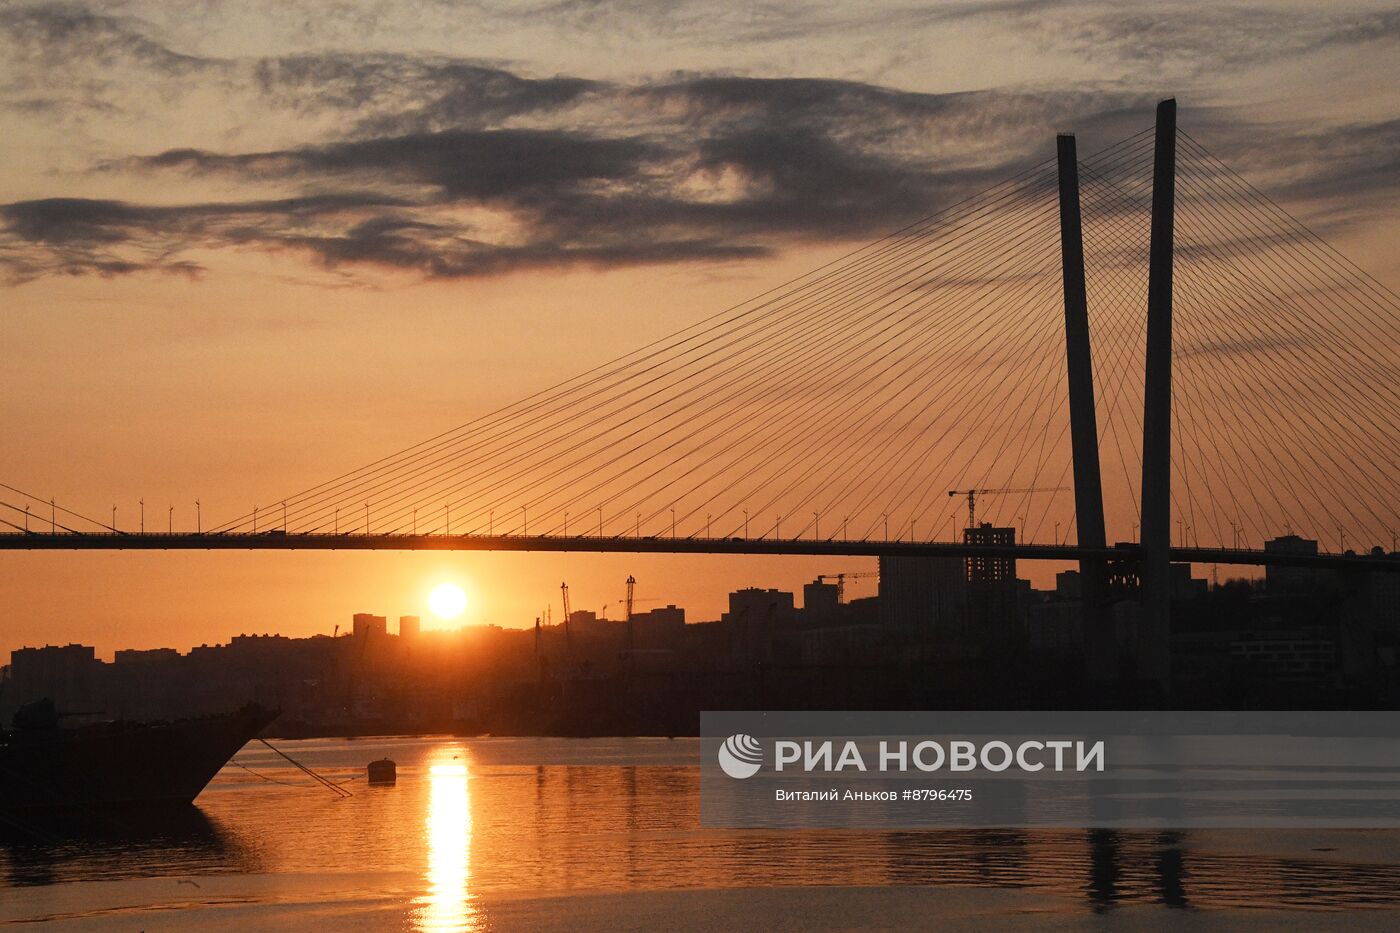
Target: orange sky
[(230, 359)]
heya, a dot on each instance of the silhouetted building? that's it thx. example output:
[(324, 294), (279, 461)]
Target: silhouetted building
[(366, 625), (821, 601), (993, 597), (924, 597), (1068, 585), (758, 603), (661, 626), (409, 626), (759, 621), (990, 569), (1290, 579), (1184, 586), (585, 623), (67, 674)]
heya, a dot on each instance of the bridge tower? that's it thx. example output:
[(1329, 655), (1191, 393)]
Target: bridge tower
[(1101, 651), (1154, 659)]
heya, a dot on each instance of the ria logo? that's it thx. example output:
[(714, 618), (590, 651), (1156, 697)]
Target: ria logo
[(740, 756)]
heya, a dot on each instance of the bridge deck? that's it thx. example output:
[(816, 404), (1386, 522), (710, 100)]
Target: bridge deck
[(279, 541)]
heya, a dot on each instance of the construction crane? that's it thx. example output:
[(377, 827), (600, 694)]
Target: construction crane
[(564, 588), (539, 654), (841, 579), (972, 495), (631, 589)]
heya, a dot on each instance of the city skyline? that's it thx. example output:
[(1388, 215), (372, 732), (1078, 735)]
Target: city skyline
[(933, 629)]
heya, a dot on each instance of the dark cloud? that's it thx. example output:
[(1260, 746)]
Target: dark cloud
[(85, 221), (437, 253), (857, 110), (742, 166), (81, 236), (76, 236), (480, 165)]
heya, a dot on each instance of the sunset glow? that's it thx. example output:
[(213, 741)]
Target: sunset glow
[(474, 206), (448, 600)]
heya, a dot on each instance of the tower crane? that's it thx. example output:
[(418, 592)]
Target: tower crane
[(841, 579), (972, 495)]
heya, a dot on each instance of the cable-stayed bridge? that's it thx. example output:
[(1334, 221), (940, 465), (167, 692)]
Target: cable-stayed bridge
[(996, 346)]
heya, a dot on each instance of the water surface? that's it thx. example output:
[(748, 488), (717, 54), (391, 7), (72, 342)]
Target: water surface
[(518, 833)]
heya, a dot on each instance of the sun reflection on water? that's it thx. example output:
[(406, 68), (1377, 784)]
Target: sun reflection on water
[(447, 904)]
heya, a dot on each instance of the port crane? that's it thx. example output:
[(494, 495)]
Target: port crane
[(972, 495), (568, 642), (841, 579), (631, 589)]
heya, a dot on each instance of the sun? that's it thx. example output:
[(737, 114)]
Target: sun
[(447, 600)]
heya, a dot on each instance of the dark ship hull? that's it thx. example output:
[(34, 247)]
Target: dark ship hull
[(121, 764)]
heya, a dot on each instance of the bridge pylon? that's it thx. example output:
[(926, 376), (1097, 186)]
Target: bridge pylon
[(1154, 636), (1101, 658)]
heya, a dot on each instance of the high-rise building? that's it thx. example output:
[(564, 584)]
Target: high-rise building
[(990, 569), (409, 626), (993, 602)]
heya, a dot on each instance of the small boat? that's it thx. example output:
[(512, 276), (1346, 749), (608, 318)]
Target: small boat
[(383, 771), (117, 764)]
